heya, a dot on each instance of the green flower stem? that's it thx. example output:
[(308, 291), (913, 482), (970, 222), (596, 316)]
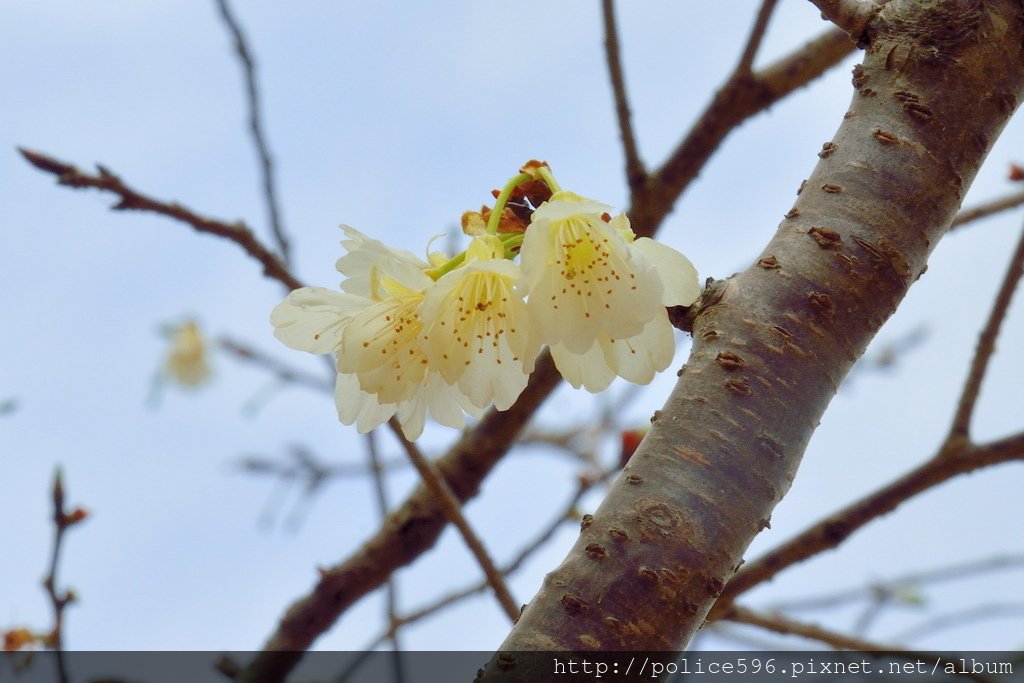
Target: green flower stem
[(502, 200), (452, 263), (545, 174)]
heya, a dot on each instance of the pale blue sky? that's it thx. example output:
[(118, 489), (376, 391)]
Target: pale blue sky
[(394, 118)]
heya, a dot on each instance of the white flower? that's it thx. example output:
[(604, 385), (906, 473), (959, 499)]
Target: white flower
[(581, 276), (316, 320), (186, 363), (365, 258), (601, 294), (478, 332), (381, 344), (374, 327)]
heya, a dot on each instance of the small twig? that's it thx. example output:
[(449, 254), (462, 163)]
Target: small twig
[(636, 175), (779, 623), (390, 588), (254, 464), (59, 600), (960, 618), (280, 370), (879, 601), (891, 586), (960, 428), (238, 232), (256, 128), (840, 641), (852, 16), (545, 535), (1010, 201), (452, 509), (746, 62), (8, 406)]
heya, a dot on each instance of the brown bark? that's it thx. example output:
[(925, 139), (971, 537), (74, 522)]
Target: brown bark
[(939, 80)]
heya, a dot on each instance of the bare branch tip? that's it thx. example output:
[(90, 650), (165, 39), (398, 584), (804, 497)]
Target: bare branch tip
[(45, 163)]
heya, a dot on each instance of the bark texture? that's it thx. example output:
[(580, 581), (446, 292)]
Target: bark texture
[(939, 80)]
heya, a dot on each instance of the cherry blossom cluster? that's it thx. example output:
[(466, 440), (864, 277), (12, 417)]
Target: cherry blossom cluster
[(450, 337)]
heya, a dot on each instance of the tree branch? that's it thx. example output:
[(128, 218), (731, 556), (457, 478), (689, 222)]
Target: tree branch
[(280, 370), (852, 16), (755, 38), (956, 456), (545, 535), (636, 175), (381, 494), (780, 623), (131, 199), (256, 129), (452, 509), (773, 344), (960, 428), (1010, 201), (892, 586), (837, 527), (742, 96), (415, 526)]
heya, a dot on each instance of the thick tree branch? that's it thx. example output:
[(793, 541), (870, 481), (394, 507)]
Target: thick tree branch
[(773, 344), (131, 199), (956, 456), (565, 515), (256, 128), (635, 172)]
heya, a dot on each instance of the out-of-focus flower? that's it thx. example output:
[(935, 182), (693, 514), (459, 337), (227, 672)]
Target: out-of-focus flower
[(629, 441), (186, 363), (20, 639)]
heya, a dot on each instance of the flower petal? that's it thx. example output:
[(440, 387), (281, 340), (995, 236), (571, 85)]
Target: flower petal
[(313, 319), (564, 204), (381, 345), (589, 370), (678, 276), (637, 359), (367, 259), (358, 407), (583, 279), (477, 332)]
